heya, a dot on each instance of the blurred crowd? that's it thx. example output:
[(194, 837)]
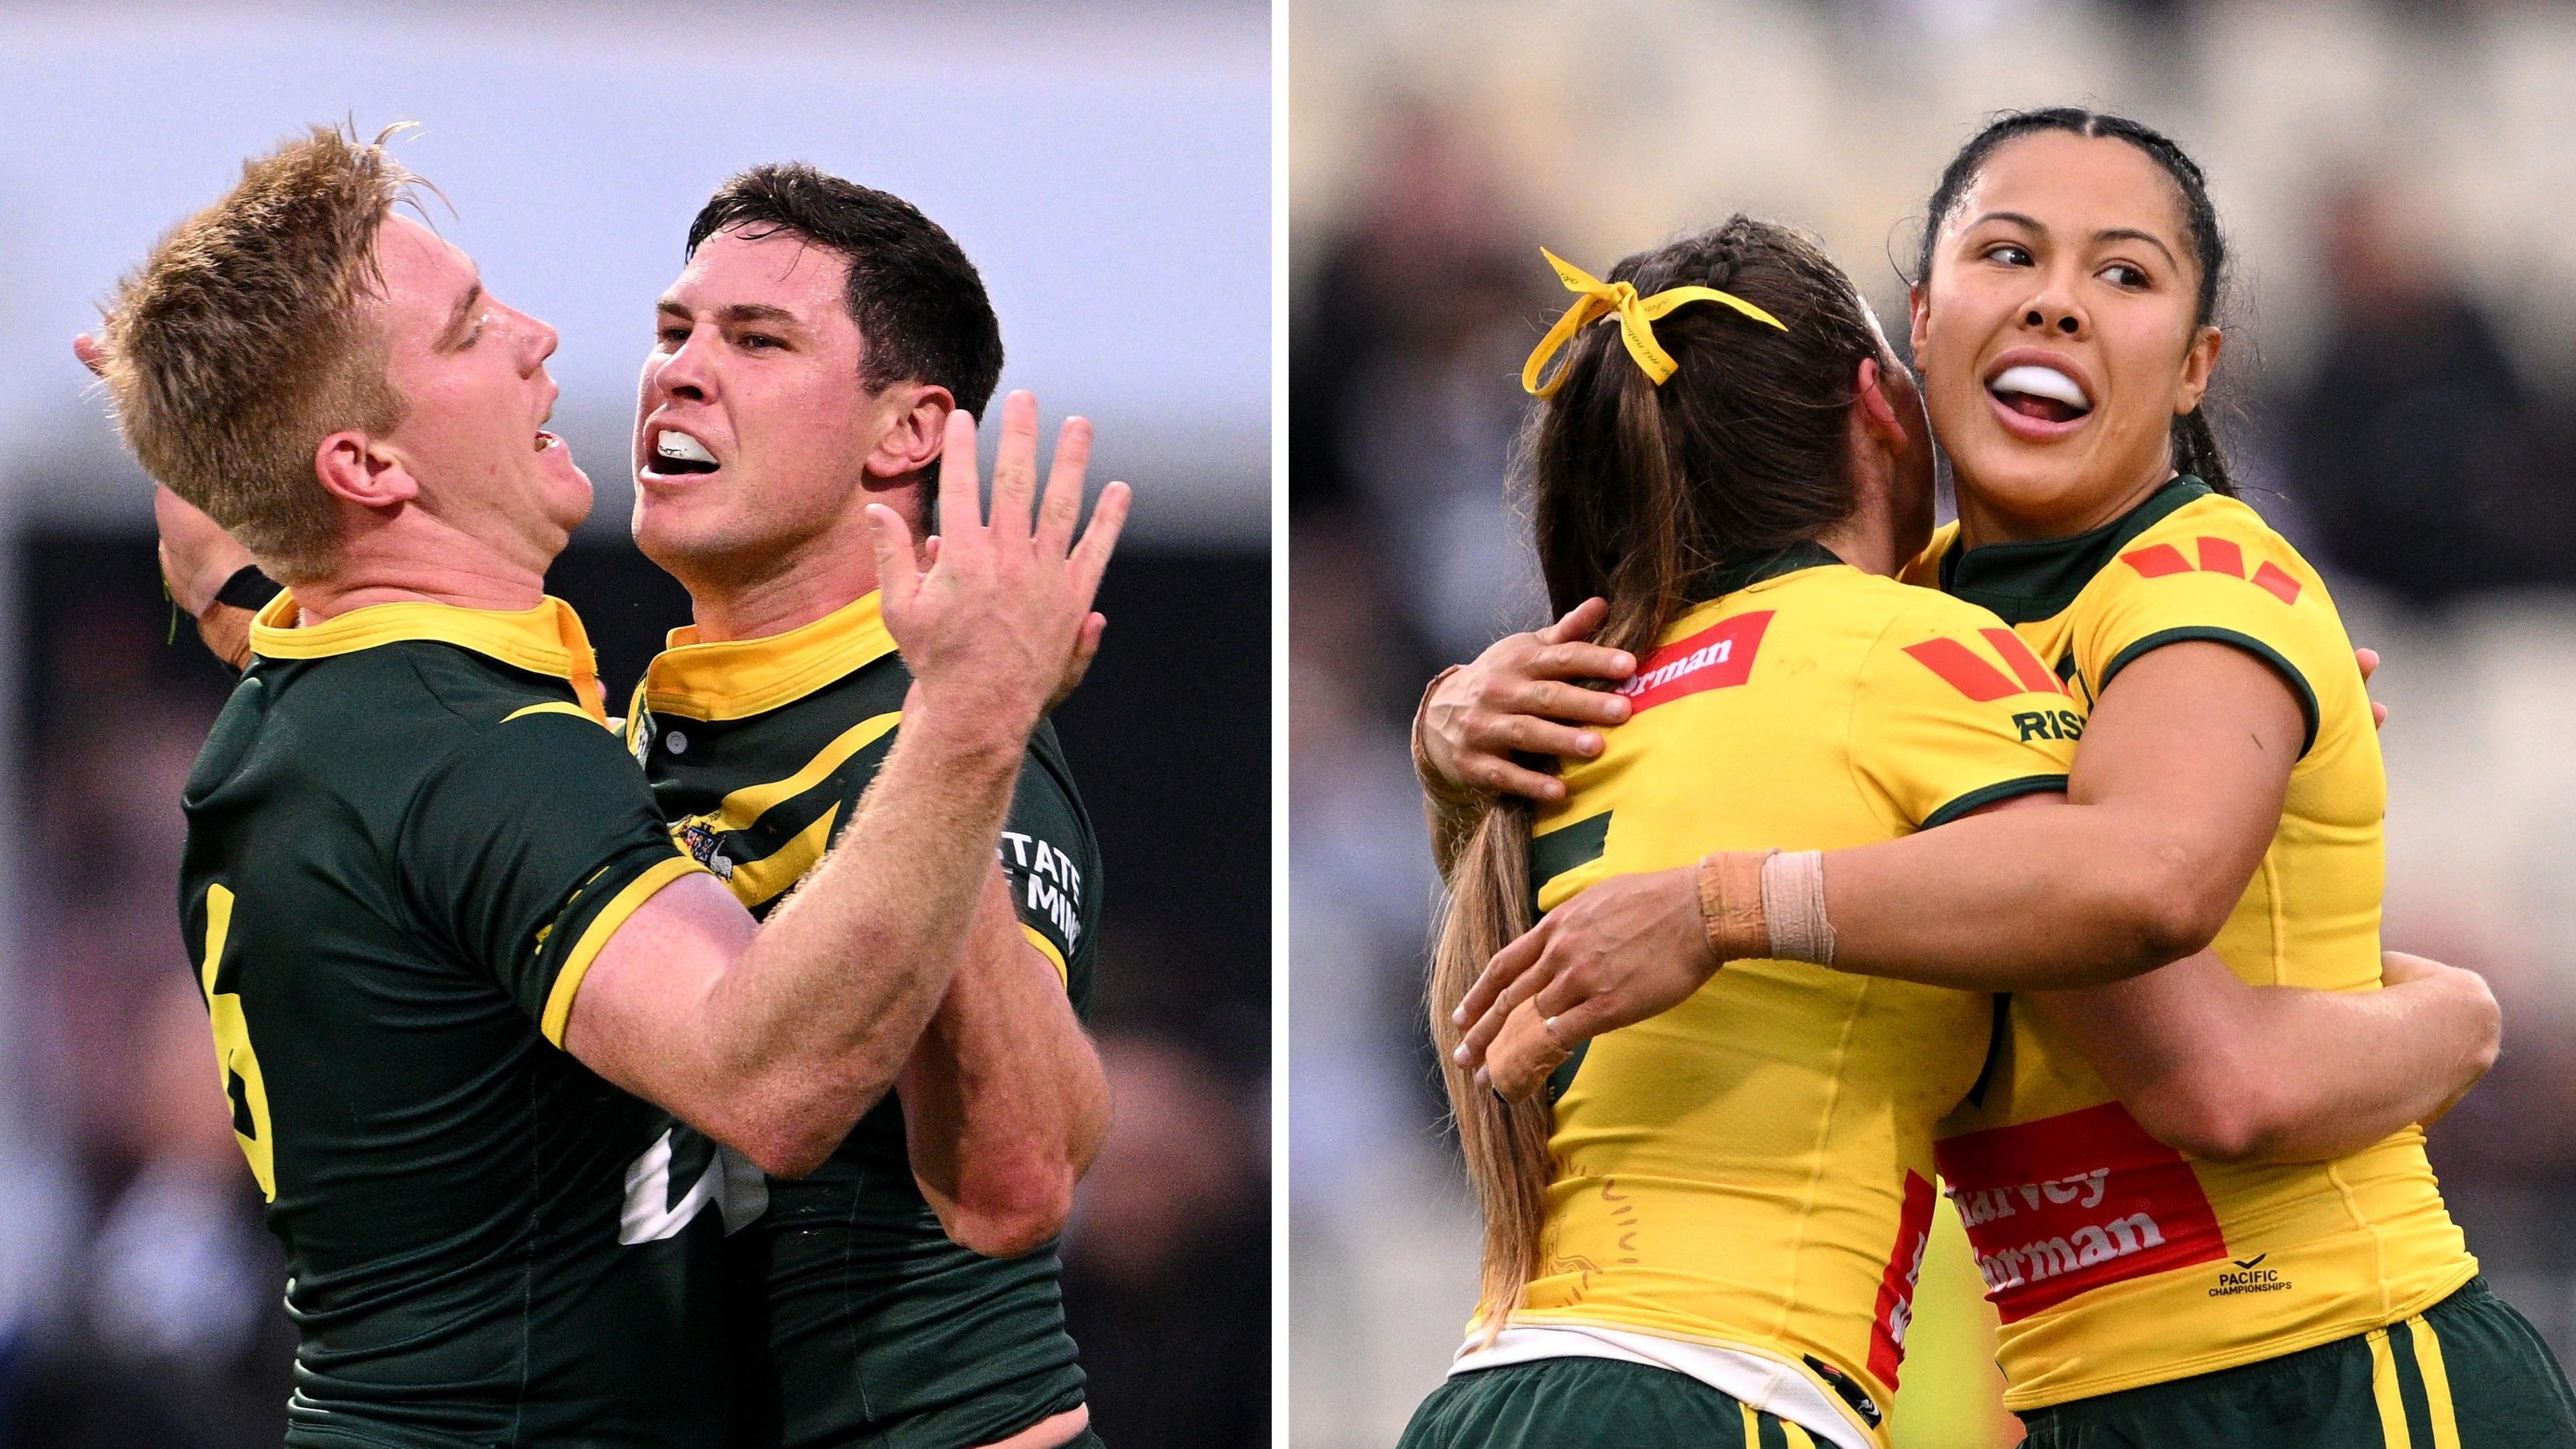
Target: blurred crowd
[(2396, 405), (139, 1293)]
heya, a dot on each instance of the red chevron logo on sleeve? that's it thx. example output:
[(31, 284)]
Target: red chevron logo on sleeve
[(2217, 556)]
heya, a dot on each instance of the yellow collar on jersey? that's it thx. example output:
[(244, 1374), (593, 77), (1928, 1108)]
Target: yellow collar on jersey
[(547, 639), (744, 677)]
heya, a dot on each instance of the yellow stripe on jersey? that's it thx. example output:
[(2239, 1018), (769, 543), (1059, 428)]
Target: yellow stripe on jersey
[(2384, 1392), (755, 882), (1046, 948), (2181, 1267), (1752, 1426), (2437, 1382), (748, 804), (595, 938)]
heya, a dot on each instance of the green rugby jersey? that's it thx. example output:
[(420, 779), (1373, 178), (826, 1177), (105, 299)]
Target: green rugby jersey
[(409, 835), (859, 1322)]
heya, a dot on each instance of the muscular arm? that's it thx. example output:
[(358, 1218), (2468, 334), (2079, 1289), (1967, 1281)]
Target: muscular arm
[(1004, 1102), (2238, 1073)]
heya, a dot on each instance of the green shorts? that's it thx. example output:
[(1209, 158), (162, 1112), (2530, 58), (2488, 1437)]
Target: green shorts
[(2467, 1373), (1591, 1403)]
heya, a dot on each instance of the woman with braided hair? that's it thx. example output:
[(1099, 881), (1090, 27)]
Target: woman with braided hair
[(2289, 1276)]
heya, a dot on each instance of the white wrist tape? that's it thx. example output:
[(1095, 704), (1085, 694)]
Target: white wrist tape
[(1793, 906)]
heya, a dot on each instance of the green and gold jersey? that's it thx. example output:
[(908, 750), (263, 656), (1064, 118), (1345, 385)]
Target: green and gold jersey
[(409, 835), (1752, 1170), (862, 1322), (2114, 1260)]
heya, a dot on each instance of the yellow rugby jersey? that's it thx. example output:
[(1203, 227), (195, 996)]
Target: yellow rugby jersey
[(1753, 1169), (2114, 1260)]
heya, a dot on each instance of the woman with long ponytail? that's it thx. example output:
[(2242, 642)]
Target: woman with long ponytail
[(2243, 1242), (1688, 1237)]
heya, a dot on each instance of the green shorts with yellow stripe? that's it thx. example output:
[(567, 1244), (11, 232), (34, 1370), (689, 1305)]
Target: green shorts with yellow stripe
[(2467, 1373), (1592, 1403)]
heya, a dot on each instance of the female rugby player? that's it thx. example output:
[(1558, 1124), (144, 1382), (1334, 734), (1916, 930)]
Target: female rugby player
[(2062, 319)]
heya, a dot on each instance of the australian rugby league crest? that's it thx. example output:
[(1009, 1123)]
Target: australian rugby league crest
[(704, 845)]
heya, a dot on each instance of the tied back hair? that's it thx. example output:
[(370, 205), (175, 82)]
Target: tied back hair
[(2195, 444), (1639, 494)]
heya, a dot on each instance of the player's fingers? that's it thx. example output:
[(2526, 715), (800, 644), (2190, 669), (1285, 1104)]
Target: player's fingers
[(1090, 557), (2378, 715), (1086, 647), (1525, 1053), (1580, 1022), (91, 354), (1581, 661), (896, 575), (1490, 770), (961, 508), (1506, 970), (1062, 505), (1015, 465), (930, 552), (1530, 735), (1571, 703), (1578, 623), (2368, 659)]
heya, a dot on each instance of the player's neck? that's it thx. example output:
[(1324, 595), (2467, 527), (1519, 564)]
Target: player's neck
[(783, 591), (427, 562)]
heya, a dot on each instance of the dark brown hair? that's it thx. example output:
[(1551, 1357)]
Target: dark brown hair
[(244, 339), (1639, 494), (2195, 446), (919, 303)]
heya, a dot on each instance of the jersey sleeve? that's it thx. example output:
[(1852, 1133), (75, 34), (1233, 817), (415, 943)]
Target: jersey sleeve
[(1954, 713), (2222, 578), (526, 849), (1052, 863)]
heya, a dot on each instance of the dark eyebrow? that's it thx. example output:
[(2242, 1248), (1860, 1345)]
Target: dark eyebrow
[(756, 312), (2108, 234), (452, 335), (738, 313)]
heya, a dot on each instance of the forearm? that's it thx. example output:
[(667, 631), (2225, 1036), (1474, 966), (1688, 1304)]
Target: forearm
[(819, 1013), (2232, 1072), (1004, 1100), (2044, 896)]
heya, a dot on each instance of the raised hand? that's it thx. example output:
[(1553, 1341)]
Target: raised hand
[(1524, 694), (999, 625)]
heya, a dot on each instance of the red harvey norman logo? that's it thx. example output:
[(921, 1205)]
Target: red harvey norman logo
[(1895, 1311), (1718, 657), (2069, 1203)]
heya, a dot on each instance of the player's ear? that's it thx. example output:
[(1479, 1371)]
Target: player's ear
[(358, 468), (916, 429)]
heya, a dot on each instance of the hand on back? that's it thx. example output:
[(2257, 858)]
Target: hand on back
[(1524, 695)]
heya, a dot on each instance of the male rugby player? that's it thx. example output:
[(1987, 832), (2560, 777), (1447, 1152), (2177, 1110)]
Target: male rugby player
[(417, 864), (808, 362)]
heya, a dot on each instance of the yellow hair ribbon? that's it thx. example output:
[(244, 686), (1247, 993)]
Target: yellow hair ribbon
[(1595, 299)]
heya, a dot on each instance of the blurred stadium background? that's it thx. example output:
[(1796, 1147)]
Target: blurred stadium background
[(2399, 385), (1109, 173)]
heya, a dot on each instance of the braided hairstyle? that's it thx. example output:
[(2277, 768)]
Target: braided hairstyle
[(1638, 492), (2195, 446)]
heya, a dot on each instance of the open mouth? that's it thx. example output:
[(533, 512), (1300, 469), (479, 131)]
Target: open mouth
[(675, 452), (2042, 394), (547, 440)]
